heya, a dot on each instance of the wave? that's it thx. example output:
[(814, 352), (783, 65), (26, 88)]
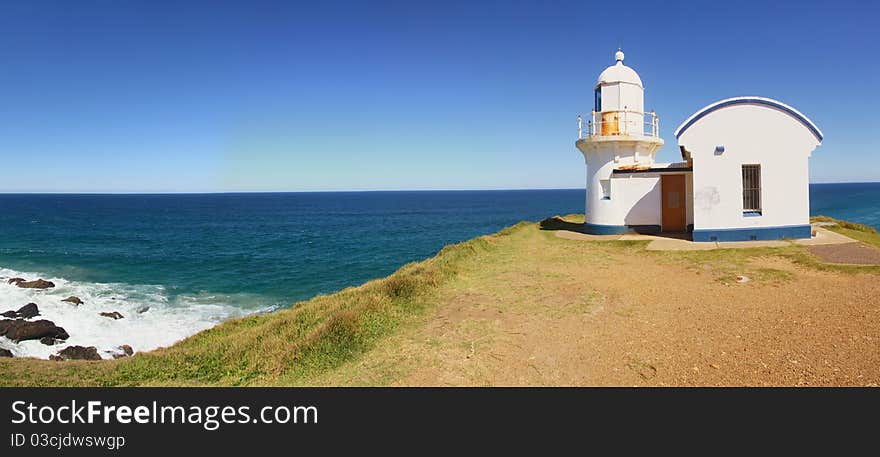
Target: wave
[(164, 317)]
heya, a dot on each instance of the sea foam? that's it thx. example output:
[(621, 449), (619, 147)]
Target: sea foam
[(170, 318)]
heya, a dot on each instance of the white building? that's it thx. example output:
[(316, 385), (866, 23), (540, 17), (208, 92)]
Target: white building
[(744, 174)]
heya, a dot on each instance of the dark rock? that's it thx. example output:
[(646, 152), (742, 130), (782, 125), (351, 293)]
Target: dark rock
[(143, 309), (6, 353), (4, 325), (48, 340), (35, 284), (55, 358), (21, 330), (25, 312), (77, 353), (127, 351), (28, 311), (74, 300), (15, 280), (113, 315)]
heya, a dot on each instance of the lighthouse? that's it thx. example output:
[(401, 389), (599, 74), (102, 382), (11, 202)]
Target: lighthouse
[(743, 176), (618, 140)]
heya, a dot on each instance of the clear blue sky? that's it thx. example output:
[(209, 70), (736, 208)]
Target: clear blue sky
[(149, 96)]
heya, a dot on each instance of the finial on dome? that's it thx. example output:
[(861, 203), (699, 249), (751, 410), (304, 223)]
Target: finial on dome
[(618, 56)]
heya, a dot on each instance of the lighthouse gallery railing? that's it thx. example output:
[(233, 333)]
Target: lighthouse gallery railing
[(619, 123)]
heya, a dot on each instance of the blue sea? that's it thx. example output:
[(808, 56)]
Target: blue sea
[(196, 260)]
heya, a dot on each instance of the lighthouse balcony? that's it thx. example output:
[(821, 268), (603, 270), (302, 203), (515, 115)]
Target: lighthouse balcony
[(619, 123)]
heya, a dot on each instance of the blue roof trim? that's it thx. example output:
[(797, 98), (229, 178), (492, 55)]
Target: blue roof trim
[(750, 101)]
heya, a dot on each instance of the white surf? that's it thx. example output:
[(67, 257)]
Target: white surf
[(153, 318)]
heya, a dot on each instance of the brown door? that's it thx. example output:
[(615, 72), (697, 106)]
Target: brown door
[(673, 191)]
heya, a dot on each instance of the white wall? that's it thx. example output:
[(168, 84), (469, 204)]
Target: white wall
[(635, 199), (632, 97), (610, 97), (750, 134), (619, 96), (632, 200)]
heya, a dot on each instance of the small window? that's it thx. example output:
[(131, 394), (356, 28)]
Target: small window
[(751, 190), (598, 104), (606, 188)]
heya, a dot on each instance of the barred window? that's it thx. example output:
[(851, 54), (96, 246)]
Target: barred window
[(751, 188)]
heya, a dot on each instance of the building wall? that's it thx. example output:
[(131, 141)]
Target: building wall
[(749, 134), (633, 201), (625, 102), (622, 96), (689, 198), (637, 198)]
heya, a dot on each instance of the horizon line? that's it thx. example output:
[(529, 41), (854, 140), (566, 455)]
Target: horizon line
[(222, 192)]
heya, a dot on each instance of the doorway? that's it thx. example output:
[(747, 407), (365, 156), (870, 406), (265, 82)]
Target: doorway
[(672, 189)]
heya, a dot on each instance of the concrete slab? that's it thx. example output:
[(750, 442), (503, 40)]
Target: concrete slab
[(824, 236), (679, 243), (569, 235), (637, 237), (672, 244), (847, 254)]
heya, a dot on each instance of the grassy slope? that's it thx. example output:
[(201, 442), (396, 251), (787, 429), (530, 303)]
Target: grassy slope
[(320, 341), (865, 237), (293, 345), (864, 233)]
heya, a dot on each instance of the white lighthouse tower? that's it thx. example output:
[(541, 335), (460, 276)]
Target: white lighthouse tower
[(618, 139)]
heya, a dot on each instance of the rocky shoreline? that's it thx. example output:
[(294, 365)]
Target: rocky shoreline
[(19, 325)]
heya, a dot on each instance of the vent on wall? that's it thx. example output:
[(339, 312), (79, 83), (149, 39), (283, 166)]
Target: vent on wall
[(606, 188)]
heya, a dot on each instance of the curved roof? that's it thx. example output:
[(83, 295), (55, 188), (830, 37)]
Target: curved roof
[(619, 73), (750, 100)]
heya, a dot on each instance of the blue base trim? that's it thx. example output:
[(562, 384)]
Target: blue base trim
[(753, 233), (598, 229)]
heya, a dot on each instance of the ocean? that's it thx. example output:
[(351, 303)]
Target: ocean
[(196, 260)]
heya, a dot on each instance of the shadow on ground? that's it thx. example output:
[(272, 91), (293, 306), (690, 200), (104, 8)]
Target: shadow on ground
[(558, 223)]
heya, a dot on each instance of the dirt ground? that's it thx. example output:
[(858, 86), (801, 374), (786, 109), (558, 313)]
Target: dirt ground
[(547, 311), (851, 253)]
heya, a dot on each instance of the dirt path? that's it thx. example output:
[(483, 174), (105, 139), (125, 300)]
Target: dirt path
[(549, 311), (850, 253)]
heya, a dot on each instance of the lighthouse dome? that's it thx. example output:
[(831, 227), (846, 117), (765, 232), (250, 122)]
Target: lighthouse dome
[(619, 73)]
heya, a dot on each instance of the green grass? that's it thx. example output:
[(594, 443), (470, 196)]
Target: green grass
[(860, 232), (865, 237), (772, 275), (289, 346), (845, 224), (724, 265), (318, 337)]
